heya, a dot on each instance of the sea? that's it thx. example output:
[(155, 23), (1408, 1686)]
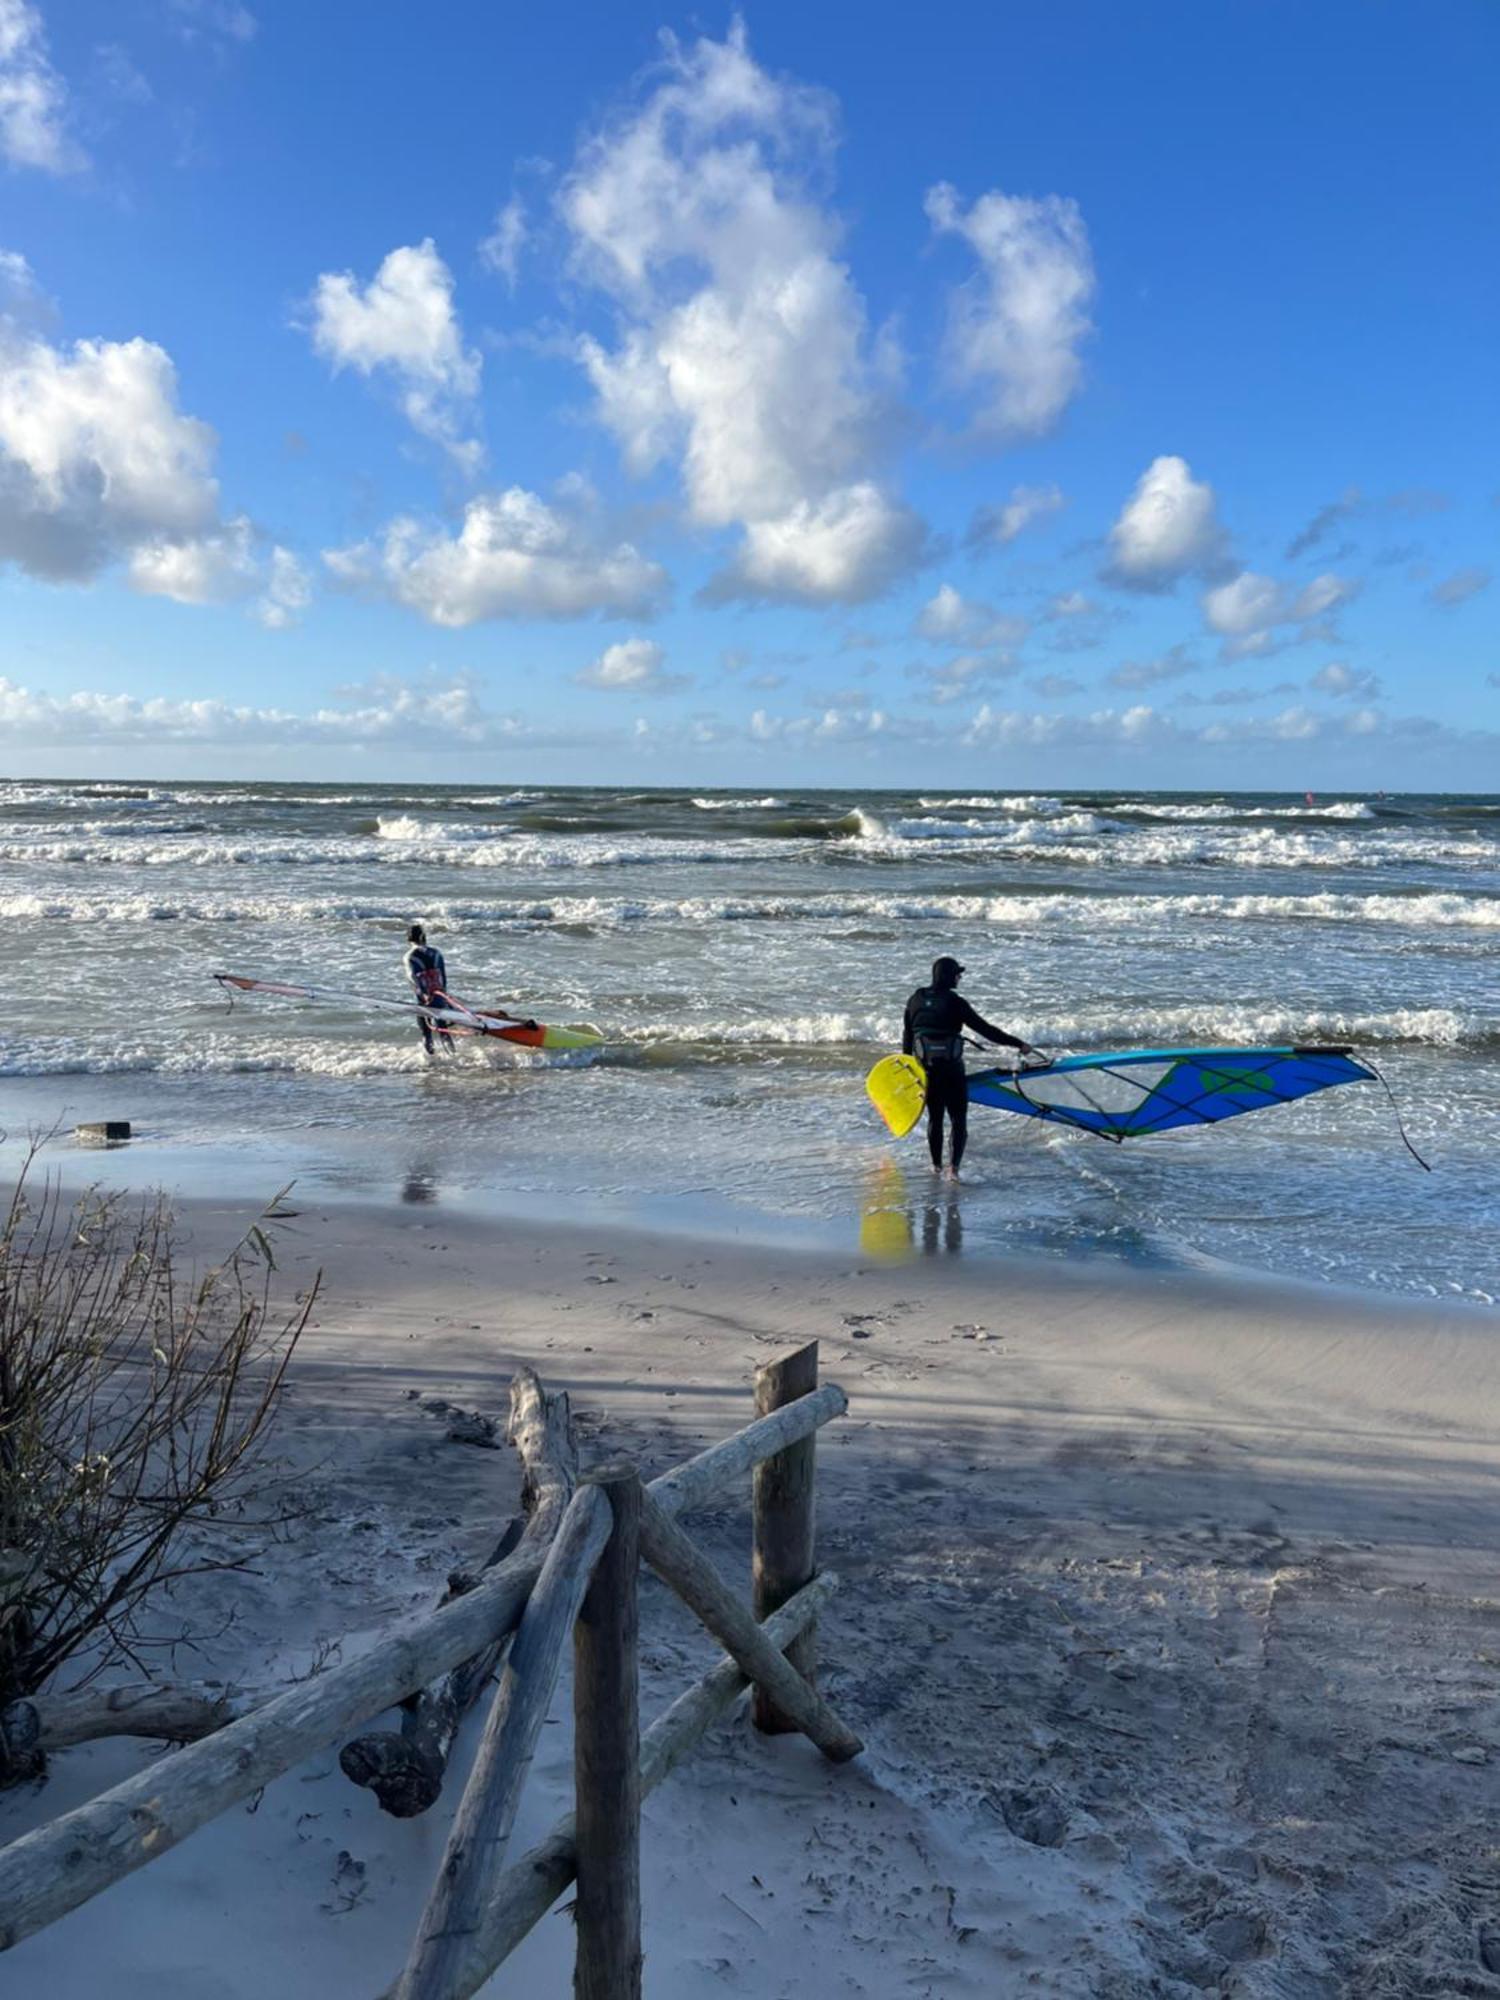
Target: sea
[(747, 956)]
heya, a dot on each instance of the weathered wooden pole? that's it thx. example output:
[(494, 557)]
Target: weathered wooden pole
[(784, 1507), (530, 1887), (486, 1813), (606, 1757), (679, 1562)]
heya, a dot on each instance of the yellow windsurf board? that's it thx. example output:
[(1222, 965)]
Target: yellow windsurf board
[(897, 1087)]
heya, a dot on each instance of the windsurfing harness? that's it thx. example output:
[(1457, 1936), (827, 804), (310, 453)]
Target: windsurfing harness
[(936, 1017), (427, 973), (1142, 1091)]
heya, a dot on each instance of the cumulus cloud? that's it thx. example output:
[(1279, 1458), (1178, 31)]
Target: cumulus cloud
[(215, 568), (632, 666), (402, 325), (1015, 329), (514, 557), (33, 98), (1168, 529), (96, 458), (844, 548), (1459, 588), (98, 465), (950, 619), (1246, 610), (831, 725), (1349, 683), (226, 566), (996, 526), (743, 354)]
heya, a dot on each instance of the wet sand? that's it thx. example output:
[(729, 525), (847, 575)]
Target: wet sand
[(1169, 1616)]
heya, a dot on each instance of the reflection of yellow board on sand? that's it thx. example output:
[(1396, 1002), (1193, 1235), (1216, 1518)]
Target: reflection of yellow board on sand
[(897, 1087)]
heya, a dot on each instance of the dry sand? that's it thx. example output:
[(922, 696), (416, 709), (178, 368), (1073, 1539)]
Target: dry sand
[(1170, 1617)]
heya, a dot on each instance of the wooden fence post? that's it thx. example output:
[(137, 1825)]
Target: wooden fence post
[(784, 1494), (606, 1757)]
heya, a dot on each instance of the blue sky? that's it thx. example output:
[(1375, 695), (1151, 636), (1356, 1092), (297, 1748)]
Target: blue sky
[(1049, 395)]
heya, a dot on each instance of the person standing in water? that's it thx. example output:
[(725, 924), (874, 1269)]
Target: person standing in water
[(936, 1017), (429, 977)]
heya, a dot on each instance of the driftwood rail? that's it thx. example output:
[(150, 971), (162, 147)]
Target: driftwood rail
[(573, 1569)]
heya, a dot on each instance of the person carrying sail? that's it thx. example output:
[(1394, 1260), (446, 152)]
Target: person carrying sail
[(429, 977), (933, 1031)]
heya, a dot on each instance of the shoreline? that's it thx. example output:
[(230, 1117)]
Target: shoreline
[(903, 1216)]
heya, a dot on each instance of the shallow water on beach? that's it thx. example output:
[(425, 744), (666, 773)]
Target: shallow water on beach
[(748, 956)]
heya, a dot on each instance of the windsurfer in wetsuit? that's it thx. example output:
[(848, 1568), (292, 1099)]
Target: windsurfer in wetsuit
[(936, 1017), (429, 977)]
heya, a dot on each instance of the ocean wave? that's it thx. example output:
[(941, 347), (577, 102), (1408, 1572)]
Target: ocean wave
[(437, 833), (1206, 810), (1205, 1025), (1031, 910)]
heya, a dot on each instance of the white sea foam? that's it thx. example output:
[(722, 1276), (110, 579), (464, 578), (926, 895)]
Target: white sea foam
[(1206, 1025), (736, 805), (1036, 911)]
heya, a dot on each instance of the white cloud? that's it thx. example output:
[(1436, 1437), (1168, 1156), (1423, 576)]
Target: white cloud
[(1351, 683), (225, 566), (1144, 727), (501, 249), (999, 525), (429, 713), (33, 97), (514, 557), (1459, 588), (1321, 598), (1168, 529), (96, 459), (1246, 610), (1014, 330), (845, 548), (288, 591), (743, 353), (403, 324), (632, 666), (1245, 605), (832, 725), (215, 568), (948, 618)]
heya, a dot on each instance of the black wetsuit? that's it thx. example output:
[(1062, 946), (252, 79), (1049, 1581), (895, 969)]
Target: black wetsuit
[(936, 1017), (428, 974)]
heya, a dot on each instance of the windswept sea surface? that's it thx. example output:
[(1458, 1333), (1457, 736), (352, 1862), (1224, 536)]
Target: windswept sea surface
[(748, 956)]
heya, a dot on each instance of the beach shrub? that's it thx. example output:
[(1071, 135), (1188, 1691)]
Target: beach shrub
[(135, 1400)]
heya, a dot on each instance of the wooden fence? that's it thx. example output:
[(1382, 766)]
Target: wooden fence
[(570, 1569)]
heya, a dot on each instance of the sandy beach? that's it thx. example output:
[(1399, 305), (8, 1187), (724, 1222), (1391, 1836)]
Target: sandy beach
[(1168, 1616)]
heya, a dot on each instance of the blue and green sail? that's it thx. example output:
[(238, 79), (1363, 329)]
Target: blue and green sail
[(1143, 1091)]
